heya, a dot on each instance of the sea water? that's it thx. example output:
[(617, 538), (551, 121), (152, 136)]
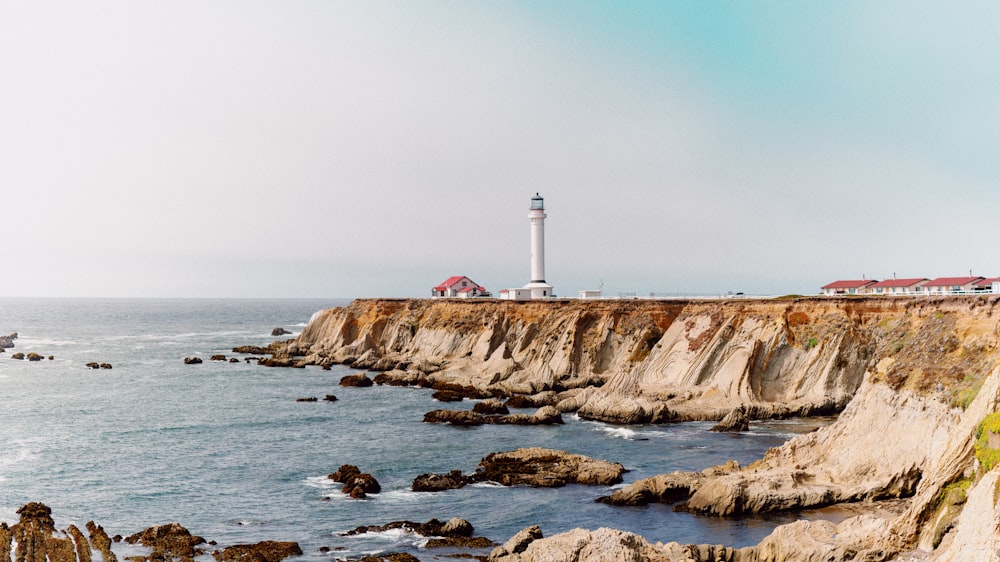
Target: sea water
[(226, 450)]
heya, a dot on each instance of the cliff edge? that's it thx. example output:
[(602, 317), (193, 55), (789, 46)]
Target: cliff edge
[(915, 378)]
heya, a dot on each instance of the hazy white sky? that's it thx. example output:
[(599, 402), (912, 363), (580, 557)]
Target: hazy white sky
[(365, 148)]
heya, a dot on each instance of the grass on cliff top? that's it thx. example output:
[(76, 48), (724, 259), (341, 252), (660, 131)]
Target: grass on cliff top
[(987, 456)]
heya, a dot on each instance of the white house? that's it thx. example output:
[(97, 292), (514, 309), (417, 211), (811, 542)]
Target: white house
[(898, 286), (847, 287), (951, 285), (459, 286)]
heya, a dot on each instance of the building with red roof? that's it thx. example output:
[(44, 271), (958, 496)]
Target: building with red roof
[(848, 287), (951, 285), (459, 286), (898, 286)]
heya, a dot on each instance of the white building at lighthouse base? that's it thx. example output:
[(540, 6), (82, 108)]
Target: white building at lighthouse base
[(528, 292)]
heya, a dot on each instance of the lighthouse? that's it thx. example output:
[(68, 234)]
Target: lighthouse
[(536, 215)]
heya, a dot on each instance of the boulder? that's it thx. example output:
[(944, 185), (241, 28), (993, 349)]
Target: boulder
[(359, 380), (252, 350), (663, 488), (518, 543), (8, 341), (218, 357), (736, 420), (308, 399), (454, 417), (490, 407), (441, 482), (19, 356), (363, 481), (265, 551), (548, 468), (330, 398), (399, 377), (105, 365), (581, 545), (192, 360), (168, 541), (447, 396), (279, 331), (454, 533), (345, 472), (93, 365), (34, 357), (234, 360)]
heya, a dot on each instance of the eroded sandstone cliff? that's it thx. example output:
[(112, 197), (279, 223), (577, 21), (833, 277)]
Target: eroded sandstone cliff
[(916, 376)]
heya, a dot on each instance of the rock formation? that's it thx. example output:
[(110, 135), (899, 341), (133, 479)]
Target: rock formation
[(7, 342), (533, 466), (38, 540), (357, 484), (455, 532)]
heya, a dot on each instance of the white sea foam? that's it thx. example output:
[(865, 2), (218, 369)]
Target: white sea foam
[(401, 496)]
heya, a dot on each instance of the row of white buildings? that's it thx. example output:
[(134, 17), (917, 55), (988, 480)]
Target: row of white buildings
[(914, 286)]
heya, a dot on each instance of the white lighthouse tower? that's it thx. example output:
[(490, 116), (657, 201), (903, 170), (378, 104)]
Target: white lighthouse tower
[(536, 214)]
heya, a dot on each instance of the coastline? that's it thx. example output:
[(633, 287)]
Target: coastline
[(891, 363)]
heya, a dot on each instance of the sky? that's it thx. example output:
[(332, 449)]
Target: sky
[(329, 148)]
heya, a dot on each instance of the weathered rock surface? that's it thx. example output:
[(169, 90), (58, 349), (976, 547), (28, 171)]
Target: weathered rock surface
[(904, 372), (535, 466), (7, 342), (546, 415), (357, 484), (359, 379), (168, 542), (490, 407), (265, 551), (735, 420), (279, 331), (192, 360)]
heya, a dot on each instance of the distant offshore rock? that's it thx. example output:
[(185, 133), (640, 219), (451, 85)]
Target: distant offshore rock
[(279, 332), (7, 342), (192, 361)]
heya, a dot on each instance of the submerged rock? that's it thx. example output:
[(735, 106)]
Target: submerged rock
[(168, 541), (192, 360)]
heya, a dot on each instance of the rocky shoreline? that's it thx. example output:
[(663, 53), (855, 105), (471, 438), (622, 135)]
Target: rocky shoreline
[(916, 381)]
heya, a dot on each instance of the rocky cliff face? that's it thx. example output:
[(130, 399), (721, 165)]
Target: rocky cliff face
[(916, 376), (658, 361)]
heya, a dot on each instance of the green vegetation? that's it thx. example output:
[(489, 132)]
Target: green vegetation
[(956, 492), (896, 346), (964, 396), (988, 456), (813, 342)]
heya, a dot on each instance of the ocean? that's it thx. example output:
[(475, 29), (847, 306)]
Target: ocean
[(226, 450)]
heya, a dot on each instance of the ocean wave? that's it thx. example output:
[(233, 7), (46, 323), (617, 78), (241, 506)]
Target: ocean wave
[(401, 496), (399, 536)]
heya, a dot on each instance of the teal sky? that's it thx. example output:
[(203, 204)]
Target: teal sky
[(341, 149)]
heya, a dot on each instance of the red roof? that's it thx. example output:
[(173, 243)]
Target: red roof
[(449, 282), (987, 282), (898, 282), (467, 289), (952, 281), (849, 284)]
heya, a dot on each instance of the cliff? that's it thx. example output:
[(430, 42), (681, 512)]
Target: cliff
[(914, 377)]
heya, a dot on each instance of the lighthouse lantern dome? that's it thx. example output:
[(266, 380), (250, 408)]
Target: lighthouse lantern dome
[(537, 202)]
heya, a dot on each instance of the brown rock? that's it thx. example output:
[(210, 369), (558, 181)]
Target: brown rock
[(344, 473), (168, 541), (364, 481), (279, 332), (454, 417), (490, 407), (219, 357), (441, 482), (192, 360), (548, 468), (736, 420), (360, 380), (266, 551)]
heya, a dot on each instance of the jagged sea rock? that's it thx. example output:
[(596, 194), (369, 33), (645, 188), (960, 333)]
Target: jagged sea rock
[(580, 545), (168, 541), (736, 420), (454, 417), (441, 482), (264, 551), (279, 331), (192, 360), (19, 356), (546, 415), (359, 379), (663, 488), (547, 468), (398, 377), (490, 407)]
